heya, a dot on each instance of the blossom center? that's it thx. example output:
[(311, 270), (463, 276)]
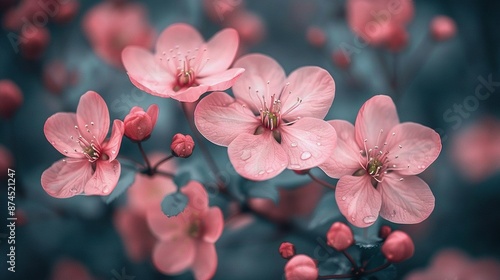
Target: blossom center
[(194, 229), (89, 148), (184, 64), (271, 116), (185, 76)]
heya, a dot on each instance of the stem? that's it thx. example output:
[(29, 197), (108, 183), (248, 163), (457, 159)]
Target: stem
[(338, 276), (377, 269), (155, 167), (132, 161), (351, 260), (166, 174), (321, 182), (145, 157)]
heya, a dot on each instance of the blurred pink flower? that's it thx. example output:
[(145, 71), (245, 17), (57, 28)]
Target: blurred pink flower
[(250, 26), (90, 167), (454, 264), (475, 150), (184, 66), (275, 122), (12, 98), (376, 161), (30, 13), (139, 124), (110, 27), (33, 42), (70, 269), (379, 22), (6, 160), (57, 77), (316, 36), (187, 240), (301, 267), (442, 28)]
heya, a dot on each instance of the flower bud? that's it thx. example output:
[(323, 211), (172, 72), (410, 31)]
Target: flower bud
[(398, 247), (140, 124), (341, 59), (182, 145), (442, 28), (301, 267), (339, 236), (384, 232), (287, 250), (11, 97)]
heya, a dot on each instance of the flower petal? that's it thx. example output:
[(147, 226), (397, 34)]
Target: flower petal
[(257, 157), (205, 262), (315, 88), (112, 146), (374, 121), (166, 228), (222, 80), (153, 112), (405, 202), (190, 94), (198, 199), (174, 256), (358, 200), (66, 177), (105, 178), (220, 119), (60, 131), (221, 50), (213, 224), (92, 116), (345, 157), (259, 69), (179, 37), (308, 142), (146, 73), (416, 147)]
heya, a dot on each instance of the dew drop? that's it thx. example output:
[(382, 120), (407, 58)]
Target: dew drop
[(65, 151), (52, 142), (73, 190), (353, 219), (113, 152), (261, 172), (318, 143), (105, 189), (270, 170), (344, 198), (422, 167), (305, 155), (369, 219), (245, 155), (295, 166), (393, 214), (293, 144)]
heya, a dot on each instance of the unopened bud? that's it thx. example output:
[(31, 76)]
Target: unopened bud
[(140, 124), (287, 250), (182, 145), (301, 267), (339, 236), (398, 247), (384, 232)]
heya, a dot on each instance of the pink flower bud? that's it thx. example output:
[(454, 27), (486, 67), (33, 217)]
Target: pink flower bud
[(384, 232), (301, 267), (316, 36), (341, 59), (443, 28), (182, 145), (398, 247), (339, 236), (34, 41), (287, 250), (140, 124), (11, 97)]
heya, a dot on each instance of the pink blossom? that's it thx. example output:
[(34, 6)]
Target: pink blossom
[(57, 76), (140, 124), (379, 22), (34, 42), (110, 27), (184, 66), (454, 264), (250, 26), (91, 167), (316, 36), (376, 161), (12, 98), (187, 240), (443, 28), (301, 267), (70, 269), (274, 122)]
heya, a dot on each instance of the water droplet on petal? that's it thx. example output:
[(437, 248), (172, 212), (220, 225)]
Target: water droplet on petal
[(270, 170), (344, 198), (369, 219), (353, 219), (295, 166), (113, 152), (73, 190), (261, 172), (53, 143), (393, 214), (246, 154), (293, 144), (305, 155), (105, 189), (318, 143)]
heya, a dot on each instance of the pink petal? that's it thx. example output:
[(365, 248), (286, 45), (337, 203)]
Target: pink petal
[(174, 256), (308, 142), (92, 115), (374, 121), (190, 94), (179, 37), (198, 199), (205, 262), (60, 131), (315, 88), (66, 177), (345, 157), (112, 146), (259, 69), (257, 157), (146, 73), (213, 224), (221, 50), (358, 200), (167, 228), (405, 202), (153, 112), (220, 119), (105, 178), (222, 80), (416, 147)]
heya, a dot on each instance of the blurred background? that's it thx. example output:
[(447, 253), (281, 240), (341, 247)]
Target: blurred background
[(444, 75)]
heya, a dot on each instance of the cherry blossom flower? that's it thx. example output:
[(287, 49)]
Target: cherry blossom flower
[(380, 22), (376, 161), (139, 124), (91, 167), (184, 66), (275, 122), (110, 27), (187, 240)]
